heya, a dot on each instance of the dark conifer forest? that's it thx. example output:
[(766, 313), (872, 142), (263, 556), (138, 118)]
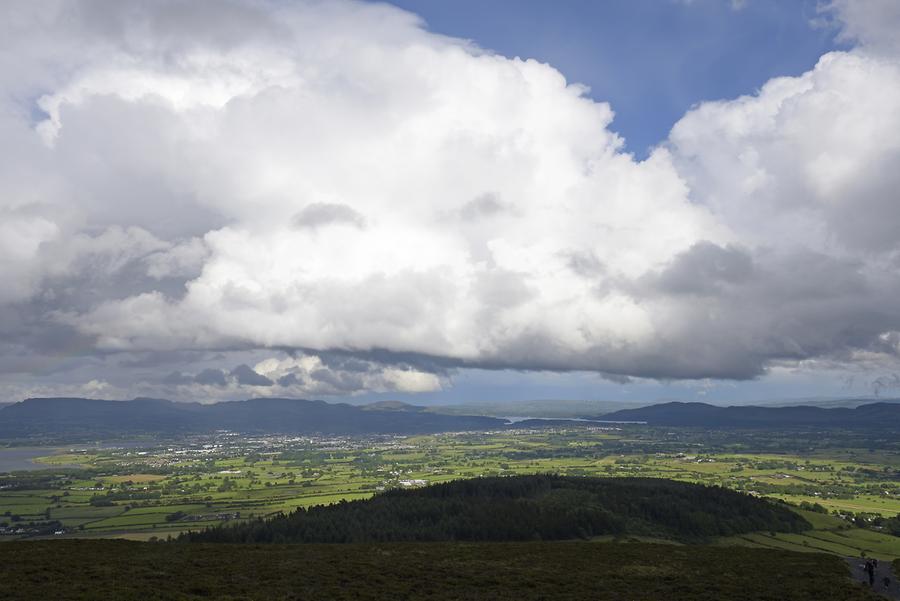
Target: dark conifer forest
[(520, 508)]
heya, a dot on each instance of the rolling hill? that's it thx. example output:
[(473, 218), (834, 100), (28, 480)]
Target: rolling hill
[(521, 508), (873, 415), (96, 418), (91, 418)]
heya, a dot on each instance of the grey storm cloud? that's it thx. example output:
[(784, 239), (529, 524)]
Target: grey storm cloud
[(484, 205), (290, 380), (704, 269), (211, 377), (585, 264), (156, 359), (190, 186), (885, 383), (322, 213), (345, 382), (176, 378), (295, 374), (372, 360), (245, 375)]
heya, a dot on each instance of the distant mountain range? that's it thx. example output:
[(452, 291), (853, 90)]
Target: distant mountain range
[(543, 408), (569, 408), (878, 415), (96, 418), (92, 419), (824, 402)]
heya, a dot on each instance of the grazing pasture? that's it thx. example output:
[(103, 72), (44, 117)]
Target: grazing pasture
[(158, 489)]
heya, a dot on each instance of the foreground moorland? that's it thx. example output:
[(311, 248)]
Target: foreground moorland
[(85, 569)]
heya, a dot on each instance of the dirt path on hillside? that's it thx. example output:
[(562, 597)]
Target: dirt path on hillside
[(857, 569)]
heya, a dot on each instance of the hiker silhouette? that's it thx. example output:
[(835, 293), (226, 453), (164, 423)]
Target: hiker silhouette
[(870, 570)]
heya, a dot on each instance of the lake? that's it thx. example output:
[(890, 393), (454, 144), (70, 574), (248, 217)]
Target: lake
[(517, 419), (21, 458)]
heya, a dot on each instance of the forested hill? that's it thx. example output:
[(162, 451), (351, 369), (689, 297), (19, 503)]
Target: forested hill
[(869, 416), (518, 508), (72, 417)]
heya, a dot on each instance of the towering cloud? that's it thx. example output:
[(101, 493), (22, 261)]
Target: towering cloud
[(312, 177)]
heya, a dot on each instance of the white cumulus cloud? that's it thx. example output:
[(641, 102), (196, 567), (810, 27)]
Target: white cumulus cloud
[(318, 177)]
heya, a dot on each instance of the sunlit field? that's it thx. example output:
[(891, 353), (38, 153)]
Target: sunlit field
[(158, 491)]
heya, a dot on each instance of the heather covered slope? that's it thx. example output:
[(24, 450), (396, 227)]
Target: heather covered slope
[(69, 570), (518, 508)]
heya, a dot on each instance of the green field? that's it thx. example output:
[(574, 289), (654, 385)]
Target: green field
[(829, 535), (125, 571), (849, 543), (177, 485)]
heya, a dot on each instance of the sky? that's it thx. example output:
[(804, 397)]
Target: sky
[(446, 202), (651, 60)]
